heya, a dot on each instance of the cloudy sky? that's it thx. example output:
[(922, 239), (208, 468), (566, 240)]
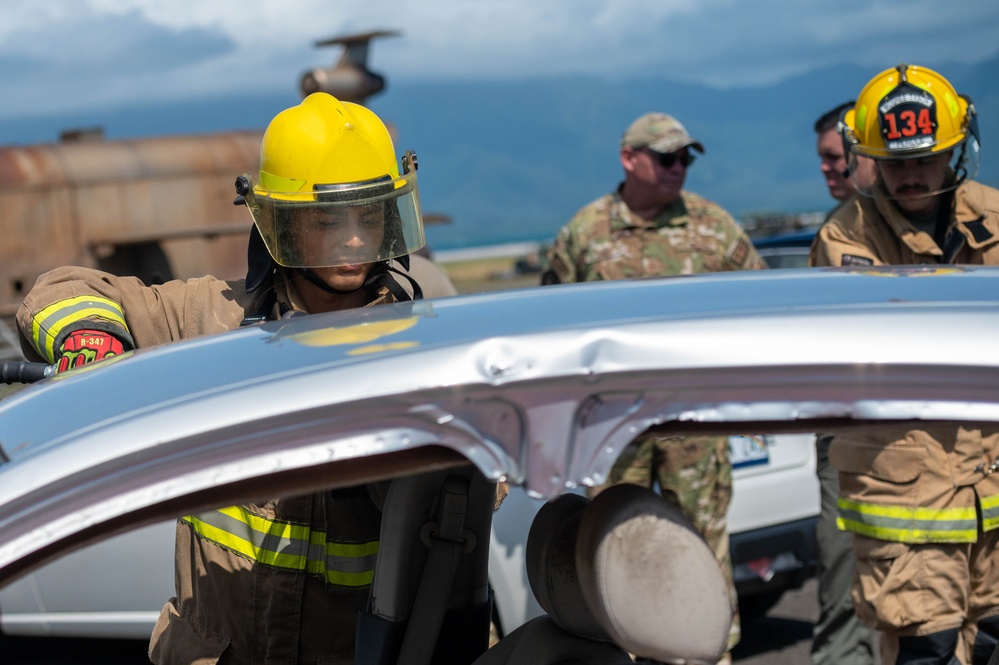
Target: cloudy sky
[(63, 55)]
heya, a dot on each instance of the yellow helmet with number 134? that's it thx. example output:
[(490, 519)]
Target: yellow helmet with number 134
[(911, 112)]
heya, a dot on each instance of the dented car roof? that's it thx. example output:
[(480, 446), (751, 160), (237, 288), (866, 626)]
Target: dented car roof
[(543, 387)]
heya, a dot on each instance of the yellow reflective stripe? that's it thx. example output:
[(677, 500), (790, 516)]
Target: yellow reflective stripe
[(52, 320), (276, 183), (907, 524), (906, 535), (990, 512), (279, 544), (286, 545), (351, 551)]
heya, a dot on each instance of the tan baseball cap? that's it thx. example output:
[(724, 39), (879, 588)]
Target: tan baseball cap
[(659, 132)]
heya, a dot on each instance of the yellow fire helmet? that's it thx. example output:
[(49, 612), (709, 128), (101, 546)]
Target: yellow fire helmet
[(911, 112), (329, 192)]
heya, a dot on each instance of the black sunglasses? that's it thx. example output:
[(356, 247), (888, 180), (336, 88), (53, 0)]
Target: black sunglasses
[(667, 160)]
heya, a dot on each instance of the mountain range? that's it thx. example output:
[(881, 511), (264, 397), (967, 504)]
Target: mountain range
[(512, 160)]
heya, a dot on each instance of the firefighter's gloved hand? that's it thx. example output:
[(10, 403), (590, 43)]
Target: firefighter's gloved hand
[(87, 346)]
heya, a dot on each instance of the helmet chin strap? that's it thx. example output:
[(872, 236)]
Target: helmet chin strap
[(380, 276), (318, 282)]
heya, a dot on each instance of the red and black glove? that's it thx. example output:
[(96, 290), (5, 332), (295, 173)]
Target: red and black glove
[(87, 346)]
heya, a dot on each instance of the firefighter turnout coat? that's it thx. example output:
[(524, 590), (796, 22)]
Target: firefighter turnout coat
[(920, 486), (280, 581), (924, 504)]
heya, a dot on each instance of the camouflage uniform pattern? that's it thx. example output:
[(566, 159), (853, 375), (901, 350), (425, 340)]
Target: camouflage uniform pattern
[(659, 132), (606, 241), (695, 474)]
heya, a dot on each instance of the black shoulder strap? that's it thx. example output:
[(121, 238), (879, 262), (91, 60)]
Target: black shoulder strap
[(393, 285), (380, 276), (264, 307), (259, 264)]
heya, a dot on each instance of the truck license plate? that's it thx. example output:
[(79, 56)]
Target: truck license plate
[(748, 450)]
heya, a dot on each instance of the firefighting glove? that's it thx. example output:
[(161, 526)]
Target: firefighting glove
[(87, 346)]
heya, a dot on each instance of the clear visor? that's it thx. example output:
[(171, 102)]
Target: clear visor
[(915, 177), (337, 225)]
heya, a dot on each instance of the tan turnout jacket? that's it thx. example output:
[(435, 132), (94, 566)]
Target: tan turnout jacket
[(281, 581), (866, 231), (915, 486)]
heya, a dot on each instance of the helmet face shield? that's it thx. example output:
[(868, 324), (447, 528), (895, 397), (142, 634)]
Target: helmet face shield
[(919, 176), (339, 224)]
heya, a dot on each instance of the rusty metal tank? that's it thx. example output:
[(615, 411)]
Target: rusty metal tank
[(158, 208)]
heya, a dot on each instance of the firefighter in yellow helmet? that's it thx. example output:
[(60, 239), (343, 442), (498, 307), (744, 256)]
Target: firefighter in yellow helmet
[(335, 220), (923, 505)]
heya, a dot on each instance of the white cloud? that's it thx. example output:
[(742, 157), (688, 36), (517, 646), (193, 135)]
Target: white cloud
[(64, 54)]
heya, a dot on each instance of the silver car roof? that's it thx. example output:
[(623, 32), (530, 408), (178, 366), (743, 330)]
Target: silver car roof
[(542, 387)]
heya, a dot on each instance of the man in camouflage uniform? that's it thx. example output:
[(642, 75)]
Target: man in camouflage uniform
[(651, 227)]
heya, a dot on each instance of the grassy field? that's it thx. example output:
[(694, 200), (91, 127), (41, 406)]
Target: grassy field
[(488, 274)]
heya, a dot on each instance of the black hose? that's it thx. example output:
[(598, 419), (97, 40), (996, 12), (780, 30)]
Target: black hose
[(23, 371)]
